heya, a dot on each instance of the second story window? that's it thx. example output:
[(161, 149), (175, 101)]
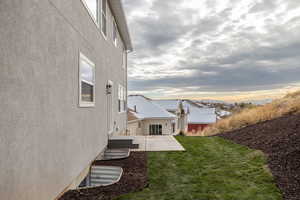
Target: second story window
[(92, 6), (86, 82), (124, 59), (104, 17), (122, 99), (115, 33)]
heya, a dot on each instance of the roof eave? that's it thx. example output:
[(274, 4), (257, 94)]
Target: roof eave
[(160, 118), (120, 17)]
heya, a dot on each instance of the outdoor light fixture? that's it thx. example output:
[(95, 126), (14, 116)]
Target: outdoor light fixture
[(108, 88)]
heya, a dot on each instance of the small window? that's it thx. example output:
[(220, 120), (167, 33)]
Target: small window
[(114, 33), (104, 17), (122, 99), (92, 6), (86, 82)]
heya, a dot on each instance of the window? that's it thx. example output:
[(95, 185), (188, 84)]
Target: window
[(173, 127), (114, 33), (86, 82), (104, 16), (155, 129), (92, 6), (122, 99), (124, 59)]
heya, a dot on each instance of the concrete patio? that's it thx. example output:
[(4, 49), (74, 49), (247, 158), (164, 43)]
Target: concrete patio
[(157, 143)]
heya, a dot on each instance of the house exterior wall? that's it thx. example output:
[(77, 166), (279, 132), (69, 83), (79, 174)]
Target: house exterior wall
[(195, 128), (166, 125), (181, 124), (134, 129), (46, 140)]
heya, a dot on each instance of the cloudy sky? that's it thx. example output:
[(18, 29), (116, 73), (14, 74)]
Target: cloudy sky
[(221, 49)]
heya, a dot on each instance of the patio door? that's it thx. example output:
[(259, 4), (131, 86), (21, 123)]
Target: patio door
[(110, 100), (155, 129)]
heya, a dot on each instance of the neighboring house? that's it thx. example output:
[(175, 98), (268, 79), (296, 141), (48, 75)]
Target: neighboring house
[(147, 118), (223, 114), (63, 90), (198, 118), (134, 126)]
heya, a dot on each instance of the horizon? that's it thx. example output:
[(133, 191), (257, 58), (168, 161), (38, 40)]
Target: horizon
[(221, 50)]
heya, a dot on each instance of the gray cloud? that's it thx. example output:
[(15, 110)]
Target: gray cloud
[(226, 49)]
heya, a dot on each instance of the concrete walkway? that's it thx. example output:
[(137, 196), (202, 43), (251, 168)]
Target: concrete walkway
[(157, 143)]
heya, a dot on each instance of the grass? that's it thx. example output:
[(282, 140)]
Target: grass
[(210, 169), (290, 104)]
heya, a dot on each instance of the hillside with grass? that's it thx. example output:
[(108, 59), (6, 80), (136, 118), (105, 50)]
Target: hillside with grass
[(273, 129), (288, 105)]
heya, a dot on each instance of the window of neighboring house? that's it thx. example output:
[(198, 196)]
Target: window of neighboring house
[(104, 17), (86, 82), (93, 8), (139, 125), (155, 129), (115, 33), (122, 99)]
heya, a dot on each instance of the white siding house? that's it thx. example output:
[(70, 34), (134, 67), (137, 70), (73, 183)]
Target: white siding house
[(148, 118)]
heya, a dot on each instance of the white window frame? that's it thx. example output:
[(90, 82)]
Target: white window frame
[(156, 129), (122, 99), (97, 20), (101, 13), (84, 104), (114, 29)]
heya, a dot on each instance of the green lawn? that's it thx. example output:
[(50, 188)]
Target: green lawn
[(210, 169)]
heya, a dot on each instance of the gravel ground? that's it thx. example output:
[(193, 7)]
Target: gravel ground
[(134, 179)]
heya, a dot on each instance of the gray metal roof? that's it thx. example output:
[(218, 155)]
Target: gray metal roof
[(118, 12)]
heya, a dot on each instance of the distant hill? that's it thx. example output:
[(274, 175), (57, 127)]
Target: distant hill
[(211, 101), (250, 115), (259, 102)]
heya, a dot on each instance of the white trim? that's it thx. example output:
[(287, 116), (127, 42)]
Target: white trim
[(100, 11), (134, 121), (122, 98), (83, 104), (114, 27), (156, 130), (96, 21)]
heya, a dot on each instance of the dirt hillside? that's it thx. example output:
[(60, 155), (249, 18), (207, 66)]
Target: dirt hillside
[(279, 139)]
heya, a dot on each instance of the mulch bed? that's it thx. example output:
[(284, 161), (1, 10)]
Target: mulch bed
[(134, 179), (280, 140)]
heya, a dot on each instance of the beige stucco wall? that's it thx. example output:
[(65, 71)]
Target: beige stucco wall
[(133, 128), (46, 140)]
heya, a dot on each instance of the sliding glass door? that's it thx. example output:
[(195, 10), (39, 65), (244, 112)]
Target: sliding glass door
[(155, 129)]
